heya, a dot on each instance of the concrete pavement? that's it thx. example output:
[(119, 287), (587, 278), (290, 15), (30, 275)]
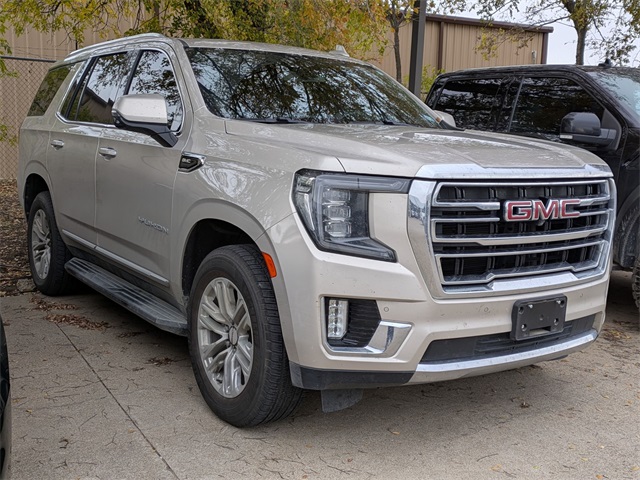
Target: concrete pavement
[(100, 394)]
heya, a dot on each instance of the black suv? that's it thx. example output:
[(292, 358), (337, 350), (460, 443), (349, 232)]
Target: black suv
[(596, 108)]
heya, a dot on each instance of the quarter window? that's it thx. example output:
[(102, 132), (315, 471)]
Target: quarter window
[(48, 89), (543, 102), (153, 75)]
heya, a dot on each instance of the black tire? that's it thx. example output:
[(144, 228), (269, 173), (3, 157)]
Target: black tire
[(253, 345), (47, 251)]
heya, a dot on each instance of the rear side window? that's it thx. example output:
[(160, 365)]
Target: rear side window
[(48, 89), (474, 103), (99, 89), (153, 74), (543, 102)]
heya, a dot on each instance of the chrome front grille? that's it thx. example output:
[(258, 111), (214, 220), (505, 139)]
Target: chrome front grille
[(474, 246)]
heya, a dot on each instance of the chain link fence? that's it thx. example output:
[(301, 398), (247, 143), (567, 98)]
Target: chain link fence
[(17, 90)]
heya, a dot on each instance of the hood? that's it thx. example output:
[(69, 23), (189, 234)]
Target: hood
[(413, 151)]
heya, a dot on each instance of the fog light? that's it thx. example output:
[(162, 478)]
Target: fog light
[(337, 317)]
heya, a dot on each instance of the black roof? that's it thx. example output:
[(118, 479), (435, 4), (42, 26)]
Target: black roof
[(528, 69)]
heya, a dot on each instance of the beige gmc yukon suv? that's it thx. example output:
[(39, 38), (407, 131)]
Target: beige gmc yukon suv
[(307, 222)]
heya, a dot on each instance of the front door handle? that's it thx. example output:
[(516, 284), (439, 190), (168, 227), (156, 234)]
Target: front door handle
[(107, 152), (57, 144)]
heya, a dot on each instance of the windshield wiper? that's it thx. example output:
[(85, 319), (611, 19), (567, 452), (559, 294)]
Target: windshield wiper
[(283, 120), (384, 122)]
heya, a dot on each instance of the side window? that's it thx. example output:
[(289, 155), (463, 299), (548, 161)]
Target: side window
[(474, 103), (99, 88), (48, 89), (543, 102), (153, 75)]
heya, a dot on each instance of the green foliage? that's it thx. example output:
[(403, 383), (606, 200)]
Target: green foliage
[(320, 24)]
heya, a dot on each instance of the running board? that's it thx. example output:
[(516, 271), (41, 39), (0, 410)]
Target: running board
[(150, 308)]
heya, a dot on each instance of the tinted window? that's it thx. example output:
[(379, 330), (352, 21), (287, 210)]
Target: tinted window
[(271, 86), (99, 89), (48, 89), (543, 102), (70, 103), (474, 103), (154, 75)]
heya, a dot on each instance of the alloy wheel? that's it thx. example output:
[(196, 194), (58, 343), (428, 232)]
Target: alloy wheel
[(225, 337)]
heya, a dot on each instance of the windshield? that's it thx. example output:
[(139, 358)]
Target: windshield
[(285, 88), (623, 84)]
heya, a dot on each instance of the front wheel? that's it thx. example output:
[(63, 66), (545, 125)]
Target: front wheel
[(47, 251), (235, 340)]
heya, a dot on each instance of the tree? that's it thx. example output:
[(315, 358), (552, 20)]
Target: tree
[(401, 12), (609, 26), (320, 24)]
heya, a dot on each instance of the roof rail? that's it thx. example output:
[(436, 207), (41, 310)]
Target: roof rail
[(140, 36)]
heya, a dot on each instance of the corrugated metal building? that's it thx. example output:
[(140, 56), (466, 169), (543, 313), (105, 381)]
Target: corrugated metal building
[(450, 44)]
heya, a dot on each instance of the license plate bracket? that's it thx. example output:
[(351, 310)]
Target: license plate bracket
[(538, 317)]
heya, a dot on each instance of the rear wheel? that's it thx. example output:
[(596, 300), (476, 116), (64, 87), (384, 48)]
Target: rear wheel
[(235, 340), (47, 251)]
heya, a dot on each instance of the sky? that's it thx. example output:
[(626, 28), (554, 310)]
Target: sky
[(562, 47)]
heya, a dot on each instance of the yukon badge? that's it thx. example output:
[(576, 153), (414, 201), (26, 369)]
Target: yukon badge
[(539, 210)]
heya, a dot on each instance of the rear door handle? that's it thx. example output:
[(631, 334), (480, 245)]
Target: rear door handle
[(57, 144), (107, 152)]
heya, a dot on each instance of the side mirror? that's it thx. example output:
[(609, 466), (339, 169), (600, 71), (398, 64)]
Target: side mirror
[(585, 128), (144, 113), (445, 117)]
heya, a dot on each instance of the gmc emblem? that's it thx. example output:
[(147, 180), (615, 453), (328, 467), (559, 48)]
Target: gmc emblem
[(538, 210)]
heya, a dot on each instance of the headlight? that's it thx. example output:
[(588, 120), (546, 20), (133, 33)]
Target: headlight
[(335, 211)]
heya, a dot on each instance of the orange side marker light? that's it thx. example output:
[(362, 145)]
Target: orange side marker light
[(270, 265)]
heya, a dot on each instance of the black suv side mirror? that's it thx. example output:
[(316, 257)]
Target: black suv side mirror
[(144, 113), (584, 127)]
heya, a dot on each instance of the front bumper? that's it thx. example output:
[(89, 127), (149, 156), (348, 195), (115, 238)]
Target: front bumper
[(314, 379), (411, 318)]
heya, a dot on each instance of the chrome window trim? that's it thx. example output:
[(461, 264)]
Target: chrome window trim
[(138, 49)]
